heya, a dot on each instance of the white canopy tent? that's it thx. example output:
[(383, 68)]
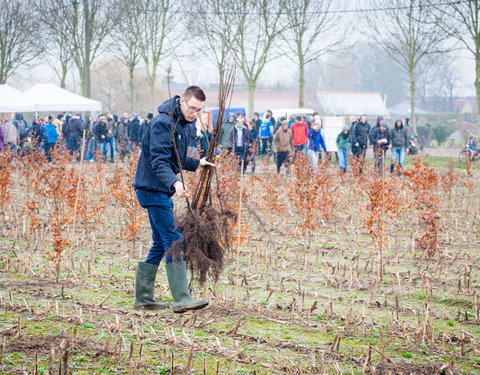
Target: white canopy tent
[(7, 93), (47, 97)]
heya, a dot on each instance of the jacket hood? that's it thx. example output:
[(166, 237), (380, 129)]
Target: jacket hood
[(345, 127), (173, 105)]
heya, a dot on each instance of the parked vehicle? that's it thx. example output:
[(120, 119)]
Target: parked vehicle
[(412, 145), (470, 151), (213, 115)]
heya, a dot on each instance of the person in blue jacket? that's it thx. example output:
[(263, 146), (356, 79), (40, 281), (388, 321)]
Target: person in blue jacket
[(265, 133), (315, 141), (52, 138), (155, 182)]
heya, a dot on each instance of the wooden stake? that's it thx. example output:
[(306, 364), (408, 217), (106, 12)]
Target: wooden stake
[(51, 360)]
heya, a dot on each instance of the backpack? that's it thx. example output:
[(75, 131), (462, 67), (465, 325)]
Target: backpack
[(40, 132), (21, 128)]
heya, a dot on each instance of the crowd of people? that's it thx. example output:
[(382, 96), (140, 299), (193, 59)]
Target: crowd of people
[(106, 135), (109, 135), (285, 138)]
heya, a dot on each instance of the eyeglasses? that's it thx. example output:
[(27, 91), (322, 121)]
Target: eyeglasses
[(193, 110)]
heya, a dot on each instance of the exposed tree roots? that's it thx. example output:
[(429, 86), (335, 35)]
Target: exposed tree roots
[(206, 235)]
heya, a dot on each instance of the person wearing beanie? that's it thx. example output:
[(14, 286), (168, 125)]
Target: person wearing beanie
[(240, 142), (381, 143), (360, 132), (283, 145), (315, 141), (227, 128), (344, 144), (399, 140), (144, 126)]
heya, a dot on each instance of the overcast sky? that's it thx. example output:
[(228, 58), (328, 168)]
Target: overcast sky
[(200, 71)]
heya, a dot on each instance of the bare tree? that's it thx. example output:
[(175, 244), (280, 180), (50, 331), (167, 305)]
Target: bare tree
[(17, 37), (81, 27), (310, 33), (217, 34), (157, 21), (125, 46), (465, 27), (57, 56), (256, 28), (408, 31)]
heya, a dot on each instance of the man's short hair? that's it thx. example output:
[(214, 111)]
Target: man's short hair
[(194, 91), (299, 118), (59, 116)]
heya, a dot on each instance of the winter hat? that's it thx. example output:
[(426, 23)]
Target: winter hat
[(379, 118), (150, 115), (317, 120)]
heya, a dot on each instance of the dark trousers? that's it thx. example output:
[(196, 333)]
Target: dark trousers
[(111, 144), (360, 150), (379, 154), (240, 152), (164, 230), (48, 148), (266, 142), (282, 157)]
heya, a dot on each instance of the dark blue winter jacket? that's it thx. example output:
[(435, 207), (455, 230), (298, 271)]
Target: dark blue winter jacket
[(158, 166), (315, 140)]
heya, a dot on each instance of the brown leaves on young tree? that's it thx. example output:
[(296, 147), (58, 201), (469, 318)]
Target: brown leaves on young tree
[(423, 181)]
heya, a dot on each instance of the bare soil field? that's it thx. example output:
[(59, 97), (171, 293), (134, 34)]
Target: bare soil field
[(326, 274)]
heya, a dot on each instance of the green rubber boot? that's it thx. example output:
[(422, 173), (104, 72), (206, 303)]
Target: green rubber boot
[(144, 285), (177, 278)]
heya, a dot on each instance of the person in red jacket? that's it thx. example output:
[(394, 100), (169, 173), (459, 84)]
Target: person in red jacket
[(300, 130)]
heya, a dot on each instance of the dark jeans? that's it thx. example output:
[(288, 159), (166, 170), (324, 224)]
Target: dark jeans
[(266, 142), (111, 143), (379, 154), (282, 157), (164, 230), (90, 150), (359, 150), (240, 152), (48, 147), (73, 144)]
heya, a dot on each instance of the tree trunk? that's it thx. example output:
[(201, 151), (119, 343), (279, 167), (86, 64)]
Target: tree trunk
[(63, 77), (221, 77), (88, 41), (252, 86), (151, 84), (413, 122), (131, 87), (301, 84), (477, 90)]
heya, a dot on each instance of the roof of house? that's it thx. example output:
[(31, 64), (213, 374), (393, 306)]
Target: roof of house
[(403, 109), (351, 103)]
